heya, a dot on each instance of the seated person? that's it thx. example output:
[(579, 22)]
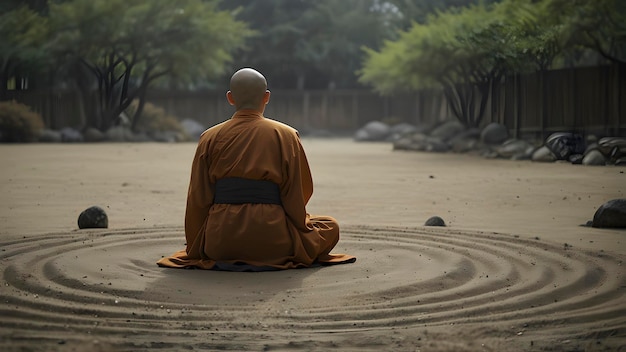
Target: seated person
[(250, 183)]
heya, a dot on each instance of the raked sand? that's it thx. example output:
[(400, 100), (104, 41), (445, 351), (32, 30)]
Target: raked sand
[(514, 270)]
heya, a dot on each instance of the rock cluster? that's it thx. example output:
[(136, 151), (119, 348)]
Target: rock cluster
[(122, 133), (494, 141)]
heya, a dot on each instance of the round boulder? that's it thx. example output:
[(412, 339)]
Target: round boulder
[(447, 130), (543, 154), (93, 135), (93, 218), (594, 157), (611, 214), (50, 136), (435, 221), (373, 131), (71, 135), (494, 133)]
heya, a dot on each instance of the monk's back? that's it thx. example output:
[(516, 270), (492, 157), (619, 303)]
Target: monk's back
[(252, 147), (249, 147)]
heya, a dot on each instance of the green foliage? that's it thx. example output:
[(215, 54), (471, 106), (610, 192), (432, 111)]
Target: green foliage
[(154, 119), (466, 51), (597, 25), (311, 44), (22, 34), (129, 45), (18, 123)]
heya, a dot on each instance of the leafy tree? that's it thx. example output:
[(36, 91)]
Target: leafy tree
[(598, 25), (128, 45), (22, 33), (465, 51), (310, 44)]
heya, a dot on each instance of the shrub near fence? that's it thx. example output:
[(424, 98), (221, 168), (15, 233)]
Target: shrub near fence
[(583, 100)]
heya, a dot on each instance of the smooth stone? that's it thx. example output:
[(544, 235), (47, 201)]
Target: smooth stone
[(611, 214), (93, 218), (435, 221)]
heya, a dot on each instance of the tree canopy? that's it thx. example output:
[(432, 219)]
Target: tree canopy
[(122, 47), (128, 45), (467, 50)]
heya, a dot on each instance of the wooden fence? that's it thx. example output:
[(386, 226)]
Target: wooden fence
[(584, 100)]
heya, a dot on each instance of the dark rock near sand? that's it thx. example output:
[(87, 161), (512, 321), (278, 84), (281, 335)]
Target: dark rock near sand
[(70, 135), (611, 214), (373, 131), (399, 131), (576, 159), (465, 141), (594, 157), (520, 149), (436, 145), (50, 136), (119, 134), (564, 144), (609, 145), (93, 135), (435, 221), (447, 130), (494, 133), (543, 154), (92, 218), (415, 142)]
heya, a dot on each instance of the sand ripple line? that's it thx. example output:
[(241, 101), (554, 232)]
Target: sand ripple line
[(106, 282)]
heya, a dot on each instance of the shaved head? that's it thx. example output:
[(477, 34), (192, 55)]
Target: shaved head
[(248, 88)]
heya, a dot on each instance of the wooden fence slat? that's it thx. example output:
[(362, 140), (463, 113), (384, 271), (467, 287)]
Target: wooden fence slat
[(584, 100)]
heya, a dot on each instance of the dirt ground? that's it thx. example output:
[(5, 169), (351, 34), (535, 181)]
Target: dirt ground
[(513, 270)]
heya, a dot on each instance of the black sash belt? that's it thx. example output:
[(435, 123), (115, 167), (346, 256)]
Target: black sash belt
[(235, 190)]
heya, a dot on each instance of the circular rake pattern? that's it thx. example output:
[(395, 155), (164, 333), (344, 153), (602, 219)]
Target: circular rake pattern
[(105, 285)]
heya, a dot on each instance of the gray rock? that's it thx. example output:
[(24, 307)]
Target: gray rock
[(620, 161), (93, 135), (515, 147), (50, 136), (435, 221), (414, 142), (494, 133), (447, 130), (564, 144), (465, 141), (373, 131), (71, 135), (543, 154), (576, 159), (166, 136), (192, 128), (119, 134), (463, 145), (436, 145), (92, 218), (399, 131), (609, 144), (594, 157), (402, 128), (408, 143), (611, 214)]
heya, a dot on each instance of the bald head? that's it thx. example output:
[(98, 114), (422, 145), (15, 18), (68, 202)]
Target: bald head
[(248, 89)]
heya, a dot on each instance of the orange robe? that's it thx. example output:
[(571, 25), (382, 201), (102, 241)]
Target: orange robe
[(263, 235)]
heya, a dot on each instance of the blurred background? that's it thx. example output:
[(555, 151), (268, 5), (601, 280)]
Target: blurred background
[(534, 66)]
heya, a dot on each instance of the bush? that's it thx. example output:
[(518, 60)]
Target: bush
[(18, 123), (154, 119)]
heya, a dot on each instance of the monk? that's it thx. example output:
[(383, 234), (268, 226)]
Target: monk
[(250, 183)]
